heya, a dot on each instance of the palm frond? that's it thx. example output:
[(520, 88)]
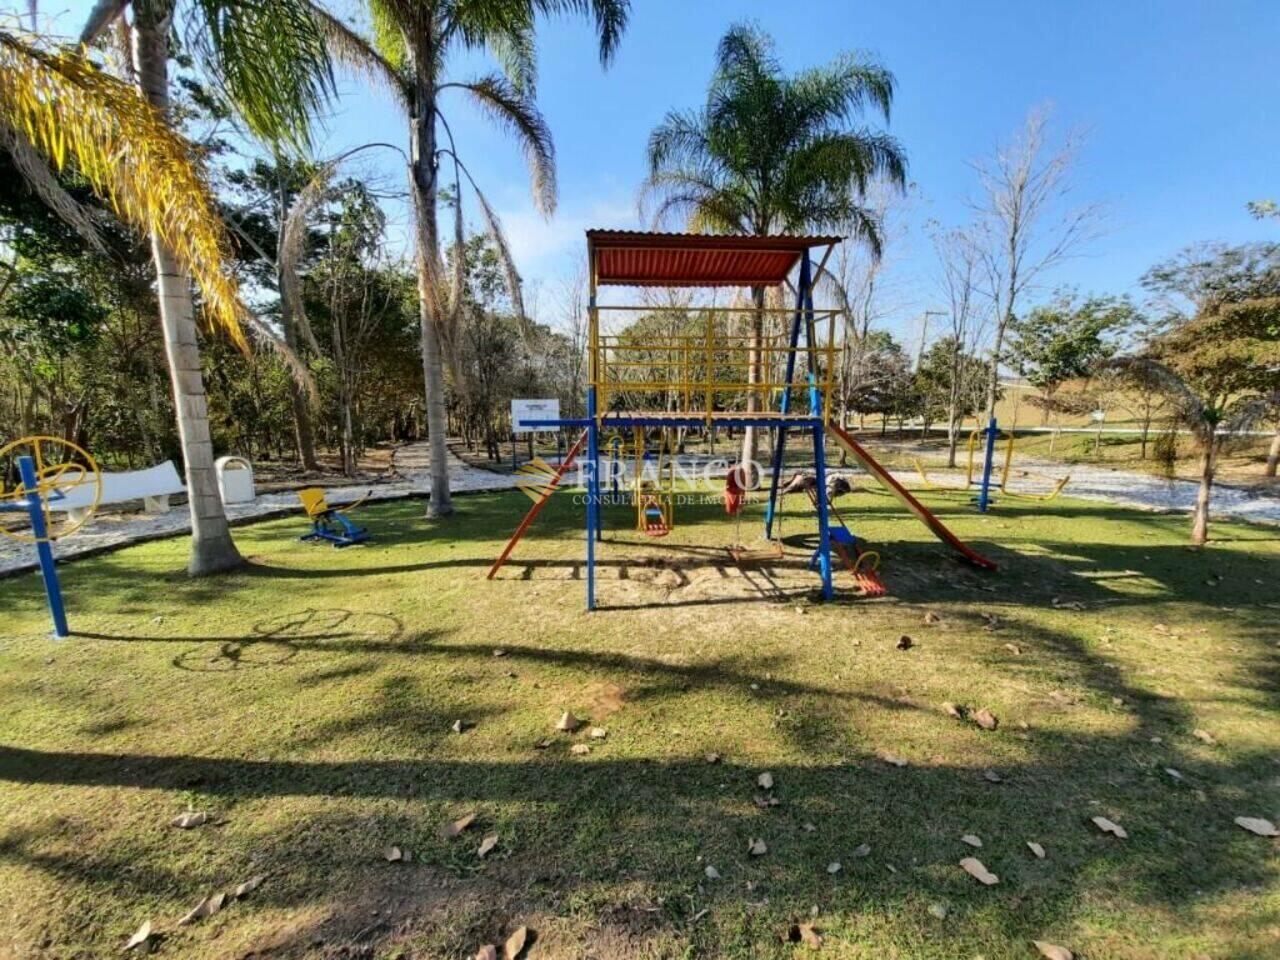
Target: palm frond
[(1154, 375), (493, 228), (40, 179), (388, 34), (150, 176), (264, 336), (271, 60), (293, 247), (359, 55), (519, 115)]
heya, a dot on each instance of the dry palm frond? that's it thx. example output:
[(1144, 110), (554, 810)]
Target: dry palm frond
[(293, 246), (493, 227), (37, 175), (359, 55), (1189, 408), (73, 113)]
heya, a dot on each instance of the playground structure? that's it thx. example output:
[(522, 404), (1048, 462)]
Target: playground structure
[(1009, 438), (51, 473), (331, 524), (705, 366)]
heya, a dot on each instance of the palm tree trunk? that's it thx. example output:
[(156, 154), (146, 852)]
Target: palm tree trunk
[(423, 166), (1273, 455), (753, 378), (212, 548), (1208, 466)]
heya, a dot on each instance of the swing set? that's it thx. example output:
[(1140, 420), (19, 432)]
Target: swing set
[(716, 368)]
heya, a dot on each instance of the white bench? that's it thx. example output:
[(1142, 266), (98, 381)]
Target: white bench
[(152, 486)]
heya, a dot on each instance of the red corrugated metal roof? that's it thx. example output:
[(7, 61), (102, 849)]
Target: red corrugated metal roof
[(638, 259)]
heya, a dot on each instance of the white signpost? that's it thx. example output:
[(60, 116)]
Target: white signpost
[(523, 411)]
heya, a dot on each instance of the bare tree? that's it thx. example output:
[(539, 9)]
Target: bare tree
[(960, 272), (1027, 226)]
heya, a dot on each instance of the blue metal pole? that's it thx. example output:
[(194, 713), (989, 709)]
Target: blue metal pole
[(785, 405), (984, 497), (35, 509), (593, 496), (824, 522)]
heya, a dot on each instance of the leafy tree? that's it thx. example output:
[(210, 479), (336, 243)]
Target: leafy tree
[(773, 153), (951, 383), (409, 52), (1066, 338), (1221, 372)]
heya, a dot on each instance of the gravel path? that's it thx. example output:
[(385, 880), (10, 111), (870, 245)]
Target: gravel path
[(108, 531), (411, 462)]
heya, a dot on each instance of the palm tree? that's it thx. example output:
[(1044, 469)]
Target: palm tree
[(57, 108), (271, 61), (408, 55), (772, 153)]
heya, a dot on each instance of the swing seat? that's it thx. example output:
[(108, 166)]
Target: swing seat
[(655, 521), (329, 523), (746, 556)]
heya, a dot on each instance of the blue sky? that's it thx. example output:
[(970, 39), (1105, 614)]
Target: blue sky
[(1179, 101)]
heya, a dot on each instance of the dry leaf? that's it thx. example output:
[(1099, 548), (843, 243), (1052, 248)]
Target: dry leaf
[(992, 777), (939, 910), (905, 642), (580, 749), (246, 888), (515, 944), (862, 850), (487, 845), (1110, 826), (756, 847), (190, 819), (499, 652), (971, 840), (487, 952), (1014, 649), (711, 872), (1204, 735), (1051, 951), (959, 711), (568, 723), (1036, 849), (890, 759), (810, 936), (451, 830), (542, 744), (1263, 828), (808, 827), (764, 803), (141, 938), (931, 617), (460, 726), (395, 855), (986, 719), (712, 758), (974, 867), (598, 733), (833, 866), (765, 780), (205, 908)]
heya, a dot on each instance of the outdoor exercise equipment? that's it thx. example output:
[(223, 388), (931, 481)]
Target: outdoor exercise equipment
[(331, 524), (993, 435), (710, 370), (36, 473)]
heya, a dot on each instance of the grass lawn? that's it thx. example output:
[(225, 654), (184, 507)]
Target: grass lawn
[(306, 704)]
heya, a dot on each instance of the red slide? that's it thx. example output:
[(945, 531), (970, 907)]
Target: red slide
[(921, 512)]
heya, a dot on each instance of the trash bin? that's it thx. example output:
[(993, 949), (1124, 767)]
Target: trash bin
[(235, 479)]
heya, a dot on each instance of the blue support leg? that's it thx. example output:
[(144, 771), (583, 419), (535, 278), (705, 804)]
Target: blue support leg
[(984, 496), (44, 550), (593, 496), (824, 520), (785, 405)]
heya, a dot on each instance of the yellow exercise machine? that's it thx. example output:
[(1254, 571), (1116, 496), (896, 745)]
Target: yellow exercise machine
[(975, 438)]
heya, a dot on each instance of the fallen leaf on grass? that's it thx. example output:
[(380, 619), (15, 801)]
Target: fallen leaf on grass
[(862, 850), (974, 868), (1014, 649), (893, 761), (972, 840), (765, 802), (205, 908), (1204, 736), (487, 845), (808, 827), (939, 910), (905, 642), (580, 749), (931, 617), (757, 847), (1174, 773), (451, 830), (568, 723), (141, 939), (1051, 951), (711, 872), (499, 652), (986, 719), (805, 933), (1110, 826), (487, 952), (957, 710), (1059, 604), (542, 744), (834, 866), (598, 733), (244, 889), (1263, 828), (461, 726), (1036, 849), (765, 780), (515, 944), (712, 758), (396, 855), (190, 819), (992, 777)]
